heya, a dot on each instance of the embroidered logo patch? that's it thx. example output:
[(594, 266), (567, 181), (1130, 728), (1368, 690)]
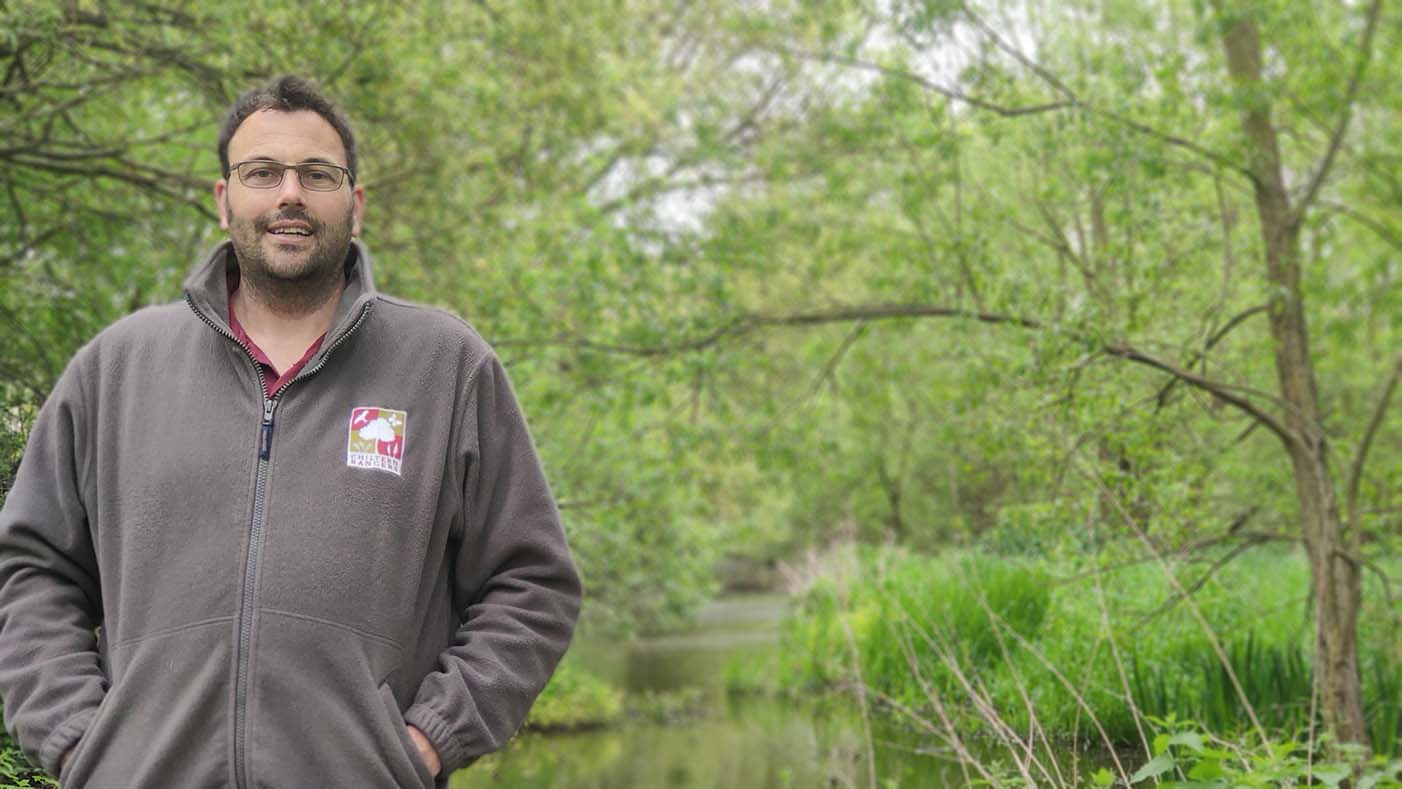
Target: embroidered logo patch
[(376, 438)]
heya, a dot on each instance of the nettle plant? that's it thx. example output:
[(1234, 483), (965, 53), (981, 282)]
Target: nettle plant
[(1185, 756)]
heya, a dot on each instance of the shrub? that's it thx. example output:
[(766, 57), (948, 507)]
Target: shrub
[(575, 699)]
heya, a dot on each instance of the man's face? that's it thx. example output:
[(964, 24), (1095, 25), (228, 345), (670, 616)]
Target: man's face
[(264, 224)]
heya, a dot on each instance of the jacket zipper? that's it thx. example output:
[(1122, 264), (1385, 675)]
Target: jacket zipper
[(255, 533)]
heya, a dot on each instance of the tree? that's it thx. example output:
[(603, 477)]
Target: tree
[(764, 277), (1078, 173), (1006, 82)]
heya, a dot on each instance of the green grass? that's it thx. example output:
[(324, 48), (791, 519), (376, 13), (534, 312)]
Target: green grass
[(884, 615), (1055, 651)]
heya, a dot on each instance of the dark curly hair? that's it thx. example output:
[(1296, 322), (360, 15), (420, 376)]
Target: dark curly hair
[(288, 93)]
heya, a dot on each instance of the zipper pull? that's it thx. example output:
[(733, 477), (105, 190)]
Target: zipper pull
[(265, 447)]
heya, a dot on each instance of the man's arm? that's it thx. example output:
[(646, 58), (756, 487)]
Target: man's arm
[(515, 581), (51, 677)]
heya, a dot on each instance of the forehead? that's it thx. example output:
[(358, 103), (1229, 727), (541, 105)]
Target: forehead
[(286, 137)]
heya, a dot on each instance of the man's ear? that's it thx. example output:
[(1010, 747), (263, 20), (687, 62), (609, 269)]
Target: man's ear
[(221, 202), (357, 208)]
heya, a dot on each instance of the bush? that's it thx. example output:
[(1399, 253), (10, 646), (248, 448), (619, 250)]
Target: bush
[(1200, 759), (575, 699)]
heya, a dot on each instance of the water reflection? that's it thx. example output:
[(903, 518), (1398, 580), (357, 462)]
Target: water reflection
[(724, 741), (742, 743)]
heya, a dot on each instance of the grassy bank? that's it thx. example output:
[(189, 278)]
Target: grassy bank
[(1061, 653), (575, 699)]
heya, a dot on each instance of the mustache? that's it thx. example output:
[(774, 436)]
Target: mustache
[(292, 214)]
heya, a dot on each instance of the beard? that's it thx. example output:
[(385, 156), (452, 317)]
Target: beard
[(288, 278)]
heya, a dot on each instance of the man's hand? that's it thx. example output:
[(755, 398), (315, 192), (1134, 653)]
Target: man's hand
[(426, 750)]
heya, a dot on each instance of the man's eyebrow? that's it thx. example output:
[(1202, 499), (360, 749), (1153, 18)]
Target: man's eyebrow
[(309, 160)]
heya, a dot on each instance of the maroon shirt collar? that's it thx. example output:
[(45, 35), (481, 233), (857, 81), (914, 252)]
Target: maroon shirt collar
[(272, 380)]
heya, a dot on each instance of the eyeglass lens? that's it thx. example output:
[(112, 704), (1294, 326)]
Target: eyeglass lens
[(269, 175)]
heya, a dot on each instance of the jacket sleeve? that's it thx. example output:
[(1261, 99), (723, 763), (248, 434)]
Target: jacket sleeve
[(515, 577), (51, 676)]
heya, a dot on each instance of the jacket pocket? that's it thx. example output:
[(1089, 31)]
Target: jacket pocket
[(317, 712), (76, 751), (163, 720), (411, 751)]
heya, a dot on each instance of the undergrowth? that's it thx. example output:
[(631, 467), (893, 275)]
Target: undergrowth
[(1056, 655)]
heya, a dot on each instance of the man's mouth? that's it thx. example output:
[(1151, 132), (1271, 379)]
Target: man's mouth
[(289, 229)]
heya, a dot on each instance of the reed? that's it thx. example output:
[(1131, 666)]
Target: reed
[(1051, 657)]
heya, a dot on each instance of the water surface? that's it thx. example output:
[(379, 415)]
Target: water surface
[(716, 739)]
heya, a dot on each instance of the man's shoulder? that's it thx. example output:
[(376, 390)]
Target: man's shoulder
[(149, 322), (144, 333), (160, 323), (423, 323)]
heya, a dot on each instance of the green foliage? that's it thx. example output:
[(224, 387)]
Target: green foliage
[(575, 699), (1275, 679), (693, 245), (589, 201), (1197, 759), (882, 613), (15, 770), (748, 674), (1097, 637)]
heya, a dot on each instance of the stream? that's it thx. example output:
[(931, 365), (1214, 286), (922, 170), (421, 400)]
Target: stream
[(720, 739)]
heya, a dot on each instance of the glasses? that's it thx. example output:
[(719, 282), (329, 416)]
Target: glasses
[(313, 176)]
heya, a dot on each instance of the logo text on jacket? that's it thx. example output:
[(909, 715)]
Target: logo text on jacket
[(376, 438)]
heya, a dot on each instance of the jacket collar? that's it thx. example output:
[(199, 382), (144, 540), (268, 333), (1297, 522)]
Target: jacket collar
[(207, 291)]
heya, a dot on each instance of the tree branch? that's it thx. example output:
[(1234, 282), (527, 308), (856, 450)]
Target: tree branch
[(1360, 457), (157, 179), (1188, 591), (1216, 337), (748, 323), (829, 369), (1383, 232), (1074, 100), (950, 93), (1365, 53)]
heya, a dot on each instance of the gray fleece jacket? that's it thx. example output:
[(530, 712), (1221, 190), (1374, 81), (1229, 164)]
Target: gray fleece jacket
[(280, 584)]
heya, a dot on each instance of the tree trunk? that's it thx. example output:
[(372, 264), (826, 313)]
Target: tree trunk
[(891, 486), (1334, 574)]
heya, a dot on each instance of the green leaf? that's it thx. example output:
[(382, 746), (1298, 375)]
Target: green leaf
[(1157, 766), (1188, 739), (1331, 774), (1103, 777), (1207, 770)]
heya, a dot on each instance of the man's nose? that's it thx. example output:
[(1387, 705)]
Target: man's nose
[(290, 191)]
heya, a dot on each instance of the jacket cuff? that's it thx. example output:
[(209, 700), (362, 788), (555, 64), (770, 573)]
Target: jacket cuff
[(64, 737), (451, 751)]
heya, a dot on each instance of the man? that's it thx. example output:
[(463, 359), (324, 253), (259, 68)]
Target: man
[(307, 517)]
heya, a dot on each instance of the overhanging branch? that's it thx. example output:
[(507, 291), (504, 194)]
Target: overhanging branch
[(953, 94), (1212, 341), (752, 322)]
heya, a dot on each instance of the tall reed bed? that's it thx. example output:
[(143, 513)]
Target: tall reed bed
[(1047, 658)]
